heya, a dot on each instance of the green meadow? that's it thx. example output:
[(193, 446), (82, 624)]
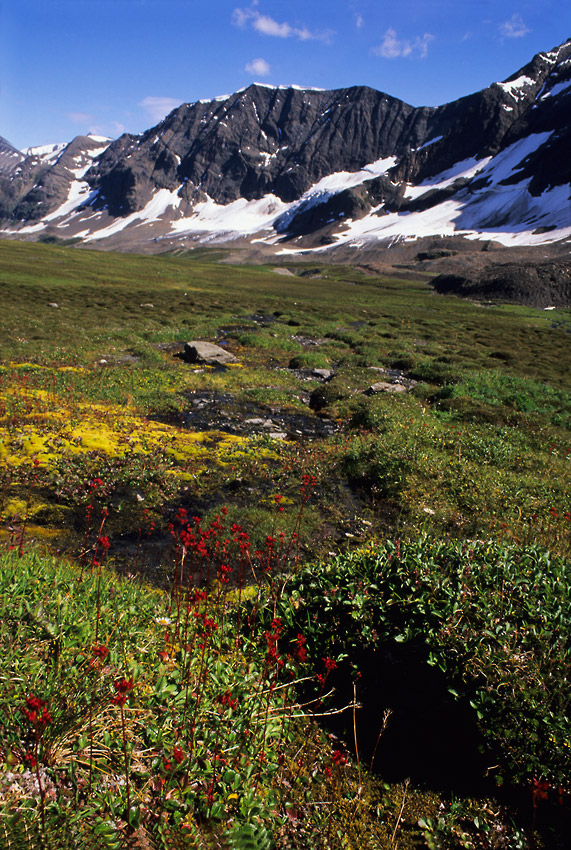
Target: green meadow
[(263, 606)]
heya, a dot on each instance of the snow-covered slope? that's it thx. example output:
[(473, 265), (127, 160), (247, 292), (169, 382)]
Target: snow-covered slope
[(310, 170)]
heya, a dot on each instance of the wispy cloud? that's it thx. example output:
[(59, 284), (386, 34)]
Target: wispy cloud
[(265, 25), (158, 107), (258, 68), (81, 117), (359, 21), (392, 47), (514, 27)]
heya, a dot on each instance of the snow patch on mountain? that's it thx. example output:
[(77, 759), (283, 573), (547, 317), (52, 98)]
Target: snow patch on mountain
[(508, 214), (464, 170), (162, 200), (348, 179), (430, 142), (514, 87), (240, 217), (248, 217), (48, 153), (557, 89)]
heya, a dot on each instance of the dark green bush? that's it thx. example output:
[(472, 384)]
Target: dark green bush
[(495, 620)]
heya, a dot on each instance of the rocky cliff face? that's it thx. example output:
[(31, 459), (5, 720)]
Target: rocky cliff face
[(350, 164), (10, 157), (42, 180)]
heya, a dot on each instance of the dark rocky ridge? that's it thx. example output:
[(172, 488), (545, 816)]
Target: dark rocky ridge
[(259, 141), (39, 184), (266, 142), (10, 157), (535, 285), (283, 141)]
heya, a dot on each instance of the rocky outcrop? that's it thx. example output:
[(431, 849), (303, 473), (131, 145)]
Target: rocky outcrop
[(10, 157), (536, 285), (41, 182)]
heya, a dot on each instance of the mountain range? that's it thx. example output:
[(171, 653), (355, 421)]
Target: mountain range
[(304, 171)]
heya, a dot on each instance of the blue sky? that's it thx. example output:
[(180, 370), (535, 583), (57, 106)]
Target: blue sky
[(109, 66)]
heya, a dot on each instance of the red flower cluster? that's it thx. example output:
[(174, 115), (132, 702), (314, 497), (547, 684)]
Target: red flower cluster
[(339, 758), (100, 651), (308, 484), (300, 651), (36, 712), (31, 760), (271, 638), (224, 571), (122, 686), (228, 700), (209, 626), (539, 790)]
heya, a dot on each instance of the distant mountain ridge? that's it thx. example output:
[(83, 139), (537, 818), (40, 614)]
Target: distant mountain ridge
[(305, 169)]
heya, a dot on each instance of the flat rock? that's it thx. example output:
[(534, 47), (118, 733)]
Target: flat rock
[(206, 352), (324, 374), (384, 387)]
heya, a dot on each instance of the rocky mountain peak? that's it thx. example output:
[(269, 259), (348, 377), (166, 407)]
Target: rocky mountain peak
[(318, 168)]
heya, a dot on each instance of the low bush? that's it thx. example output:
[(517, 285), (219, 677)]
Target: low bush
[(495, 620)]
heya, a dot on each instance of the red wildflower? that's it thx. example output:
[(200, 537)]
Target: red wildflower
[(339, 758), (122, 686), (100, 651), (31, 760), (228, 700), (300, 651), (36, 712), (539, 790)]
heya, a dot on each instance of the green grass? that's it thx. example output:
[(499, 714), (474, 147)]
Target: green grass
[(477, 450)]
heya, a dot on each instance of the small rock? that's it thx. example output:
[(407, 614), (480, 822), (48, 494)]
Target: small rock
[(53, 304), (325, 374), (384, 387), (148, 305)]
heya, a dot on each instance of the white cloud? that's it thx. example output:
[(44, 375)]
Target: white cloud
[(392, 47), (81, 117), (359, 21), (158, 107), (266, 25), (240, 17), (258, 68), (514, 27)]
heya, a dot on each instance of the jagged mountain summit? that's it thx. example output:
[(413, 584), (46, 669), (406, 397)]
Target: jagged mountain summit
[(298, 170)]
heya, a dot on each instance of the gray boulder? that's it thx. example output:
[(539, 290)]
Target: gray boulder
[(384, 387), (206, 352)]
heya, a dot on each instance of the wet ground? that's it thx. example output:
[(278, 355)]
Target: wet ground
[(216, 411)]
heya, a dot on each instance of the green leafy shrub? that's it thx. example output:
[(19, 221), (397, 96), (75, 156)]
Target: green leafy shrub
[(496, 621)]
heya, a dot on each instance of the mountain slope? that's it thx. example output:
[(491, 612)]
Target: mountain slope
[(317, 170)]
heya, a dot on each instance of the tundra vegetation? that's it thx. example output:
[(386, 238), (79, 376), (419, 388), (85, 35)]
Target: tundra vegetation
[(260, 606)]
